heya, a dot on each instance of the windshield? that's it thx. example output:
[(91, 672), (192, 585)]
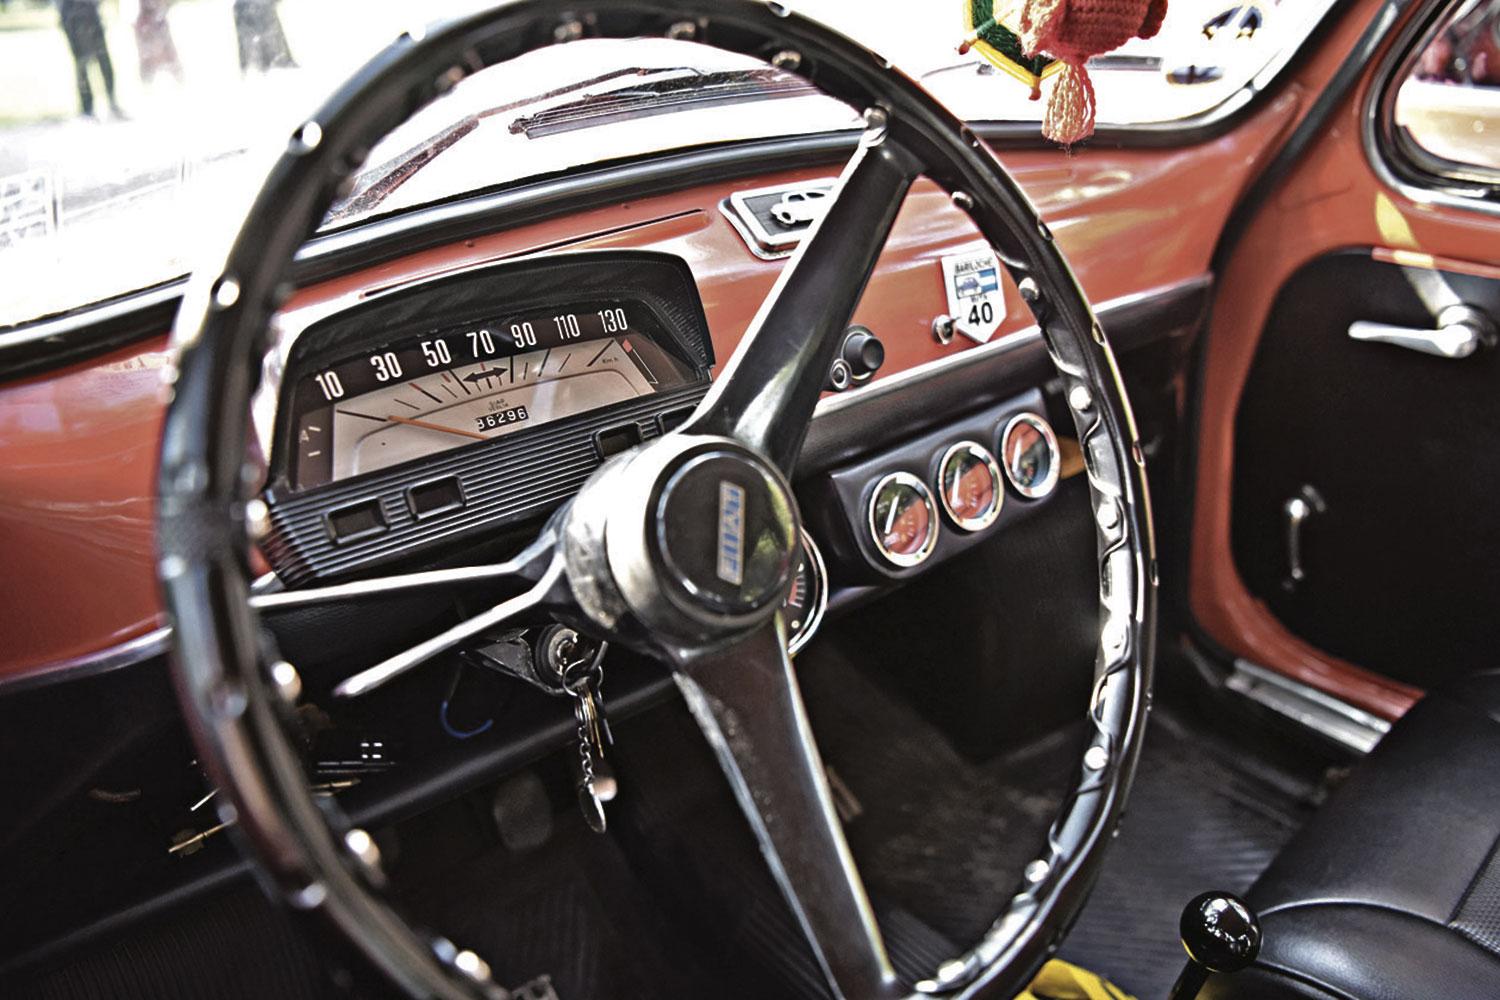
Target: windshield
[(132, 132)]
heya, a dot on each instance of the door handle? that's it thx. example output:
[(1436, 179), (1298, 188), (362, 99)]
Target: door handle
[(1297, 509), (1461, 331)]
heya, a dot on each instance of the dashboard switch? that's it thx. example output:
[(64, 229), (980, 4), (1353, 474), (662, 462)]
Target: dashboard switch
[(356, 521), (436, 497), (618, 439)]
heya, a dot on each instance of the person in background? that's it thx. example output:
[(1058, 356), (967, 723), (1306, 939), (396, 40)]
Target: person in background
[(153, 41), (80, 22), (262, 41)]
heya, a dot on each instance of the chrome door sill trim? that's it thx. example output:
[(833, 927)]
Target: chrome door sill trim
[(1326, 715)]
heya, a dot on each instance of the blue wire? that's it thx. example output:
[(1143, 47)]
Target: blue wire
[(448, 726)]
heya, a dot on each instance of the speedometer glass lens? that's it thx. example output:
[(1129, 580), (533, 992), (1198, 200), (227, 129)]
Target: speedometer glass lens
[(430, 392)]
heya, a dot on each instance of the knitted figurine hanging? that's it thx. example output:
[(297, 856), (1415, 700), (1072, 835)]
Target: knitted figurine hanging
[(1072, 31), (1058, 37), (997, 41)]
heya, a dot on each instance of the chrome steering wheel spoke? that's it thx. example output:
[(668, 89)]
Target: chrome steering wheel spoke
[(766, 394), (391, 668), (530, 563), (746, 700)]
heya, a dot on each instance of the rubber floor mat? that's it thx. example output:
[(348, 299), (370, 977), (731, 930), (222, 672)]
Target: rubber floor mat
[(945, 837), (1195, 823), (936, 833)]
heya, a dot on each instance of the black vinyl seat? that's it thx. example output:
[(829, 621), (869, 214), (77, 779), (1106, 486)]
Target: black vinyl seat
[(1392, 891)]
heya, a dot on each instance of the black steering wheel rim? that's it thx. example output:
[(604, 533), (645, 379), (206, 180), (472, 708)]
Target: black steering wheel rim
[(235, 704)]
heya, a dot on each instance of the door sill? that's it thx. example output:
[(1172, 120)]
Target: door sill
[(1329, 717)]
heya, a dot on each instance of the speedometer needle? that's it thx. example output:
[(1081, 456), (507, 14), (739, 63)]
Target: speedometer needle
[(436, 427)]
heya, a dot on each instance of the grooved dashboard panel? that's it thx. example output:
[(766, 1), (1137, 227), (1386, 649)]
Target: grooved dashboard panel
[(503, 483)]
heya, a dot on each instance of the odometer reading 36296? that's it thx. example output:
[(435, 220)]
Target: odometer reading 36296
[(427, 393)]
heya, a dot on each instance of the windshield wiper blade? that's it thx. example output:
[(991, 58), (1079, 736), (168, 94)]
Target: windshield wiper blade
[(374, 184), (660, 97)]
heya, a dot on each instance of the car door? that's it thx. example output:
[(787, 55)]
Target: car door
[(1346, 527)]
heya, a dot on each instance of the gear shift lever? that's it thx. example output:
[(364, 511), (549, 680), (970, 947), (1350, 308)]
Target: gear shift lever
[(1221, 934)]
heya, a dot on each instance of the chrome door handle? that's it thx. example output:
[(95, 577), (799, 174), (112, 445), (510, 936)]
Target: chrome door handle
[(1297, 509), (1461, 331)]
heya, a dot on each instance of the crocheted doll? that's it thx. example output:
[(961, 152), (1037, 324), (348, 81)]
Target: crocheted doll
[(1072, 31)]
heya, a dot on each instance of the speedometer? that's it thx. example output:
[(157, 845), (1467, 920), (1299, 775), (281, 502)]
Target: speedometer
[(407, 398), (434, 413)]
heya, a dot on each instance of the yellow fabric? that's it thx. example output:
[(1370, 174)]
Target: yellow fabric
[(1061, 980)]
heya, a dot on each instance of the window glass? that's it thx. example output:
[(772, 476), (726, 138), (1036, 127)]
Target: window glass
[(1449, 104), (132, 132)]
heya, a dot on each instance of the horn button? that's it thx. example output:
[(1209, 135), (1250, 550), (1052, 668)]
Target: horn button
[(724, 533)]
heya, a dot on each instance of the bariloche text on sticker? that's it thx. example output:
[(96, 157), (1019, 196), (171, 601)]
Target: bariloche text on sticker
[(975, 299)]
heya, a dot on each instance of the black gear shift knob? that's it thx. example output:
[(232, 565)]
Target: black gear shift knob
[(1221, 934)]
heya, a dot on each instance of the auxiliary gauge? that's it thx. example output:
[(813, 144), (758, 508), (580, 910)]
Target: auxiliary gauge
[(804, 607), (969, 486), (903, 519), (1029, 450)]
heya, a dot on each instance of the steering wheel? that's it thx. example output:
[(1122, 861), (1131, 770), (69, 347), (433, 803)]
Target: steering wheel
[(635, 557)]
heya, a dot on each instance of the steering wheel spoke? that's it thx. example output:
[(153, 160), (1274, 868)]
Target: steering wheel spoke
[(543, 554), (746, 700), (529, 564), (766, 394)]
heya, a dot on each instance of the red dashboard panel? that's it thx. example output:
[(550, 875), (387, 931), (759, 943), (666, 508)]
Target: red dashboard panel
[(78, 446)]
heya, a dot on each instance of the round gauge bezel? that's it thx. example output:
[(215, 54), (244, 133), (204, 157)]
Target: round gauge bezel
[(904, 560), (818, 569), (979, 451), (1054, 467)]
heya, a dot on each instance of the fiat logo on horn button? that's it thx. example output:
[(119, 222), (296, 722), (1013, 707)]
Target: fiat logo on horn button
[(726, 532), (731, 533)]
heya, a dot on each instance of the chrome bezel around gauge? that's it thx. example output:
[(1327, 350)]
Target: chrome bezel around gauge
[(817, 571), (976, 450), (1034, 491), (903, 560)]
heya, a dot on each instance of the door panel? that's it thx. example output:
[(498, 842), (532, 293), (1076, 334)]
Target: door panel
[(1389, 457), (1397, 574)]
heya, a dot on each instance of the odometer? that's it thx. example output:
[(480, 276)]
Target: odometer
[(405, 398)]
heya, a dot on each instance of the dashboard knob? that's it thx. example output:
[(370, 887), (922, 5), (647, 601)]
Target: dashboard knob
[(862, 352)]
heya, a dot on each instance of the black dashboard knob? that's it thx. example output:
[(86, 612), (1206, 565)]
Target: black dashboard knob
[(862, 352)]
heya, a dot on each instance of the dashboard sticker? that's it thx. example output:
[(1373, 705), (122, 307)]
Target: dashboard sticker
[(975, 299)]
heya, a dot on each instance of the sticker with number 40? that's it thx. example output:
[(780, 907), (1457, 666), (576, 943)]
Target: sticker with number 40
[(975, 299)]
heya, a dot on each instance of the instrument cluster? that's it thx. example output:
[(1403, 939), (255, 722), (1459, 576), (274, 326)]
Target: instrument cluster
[(447, 409)]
